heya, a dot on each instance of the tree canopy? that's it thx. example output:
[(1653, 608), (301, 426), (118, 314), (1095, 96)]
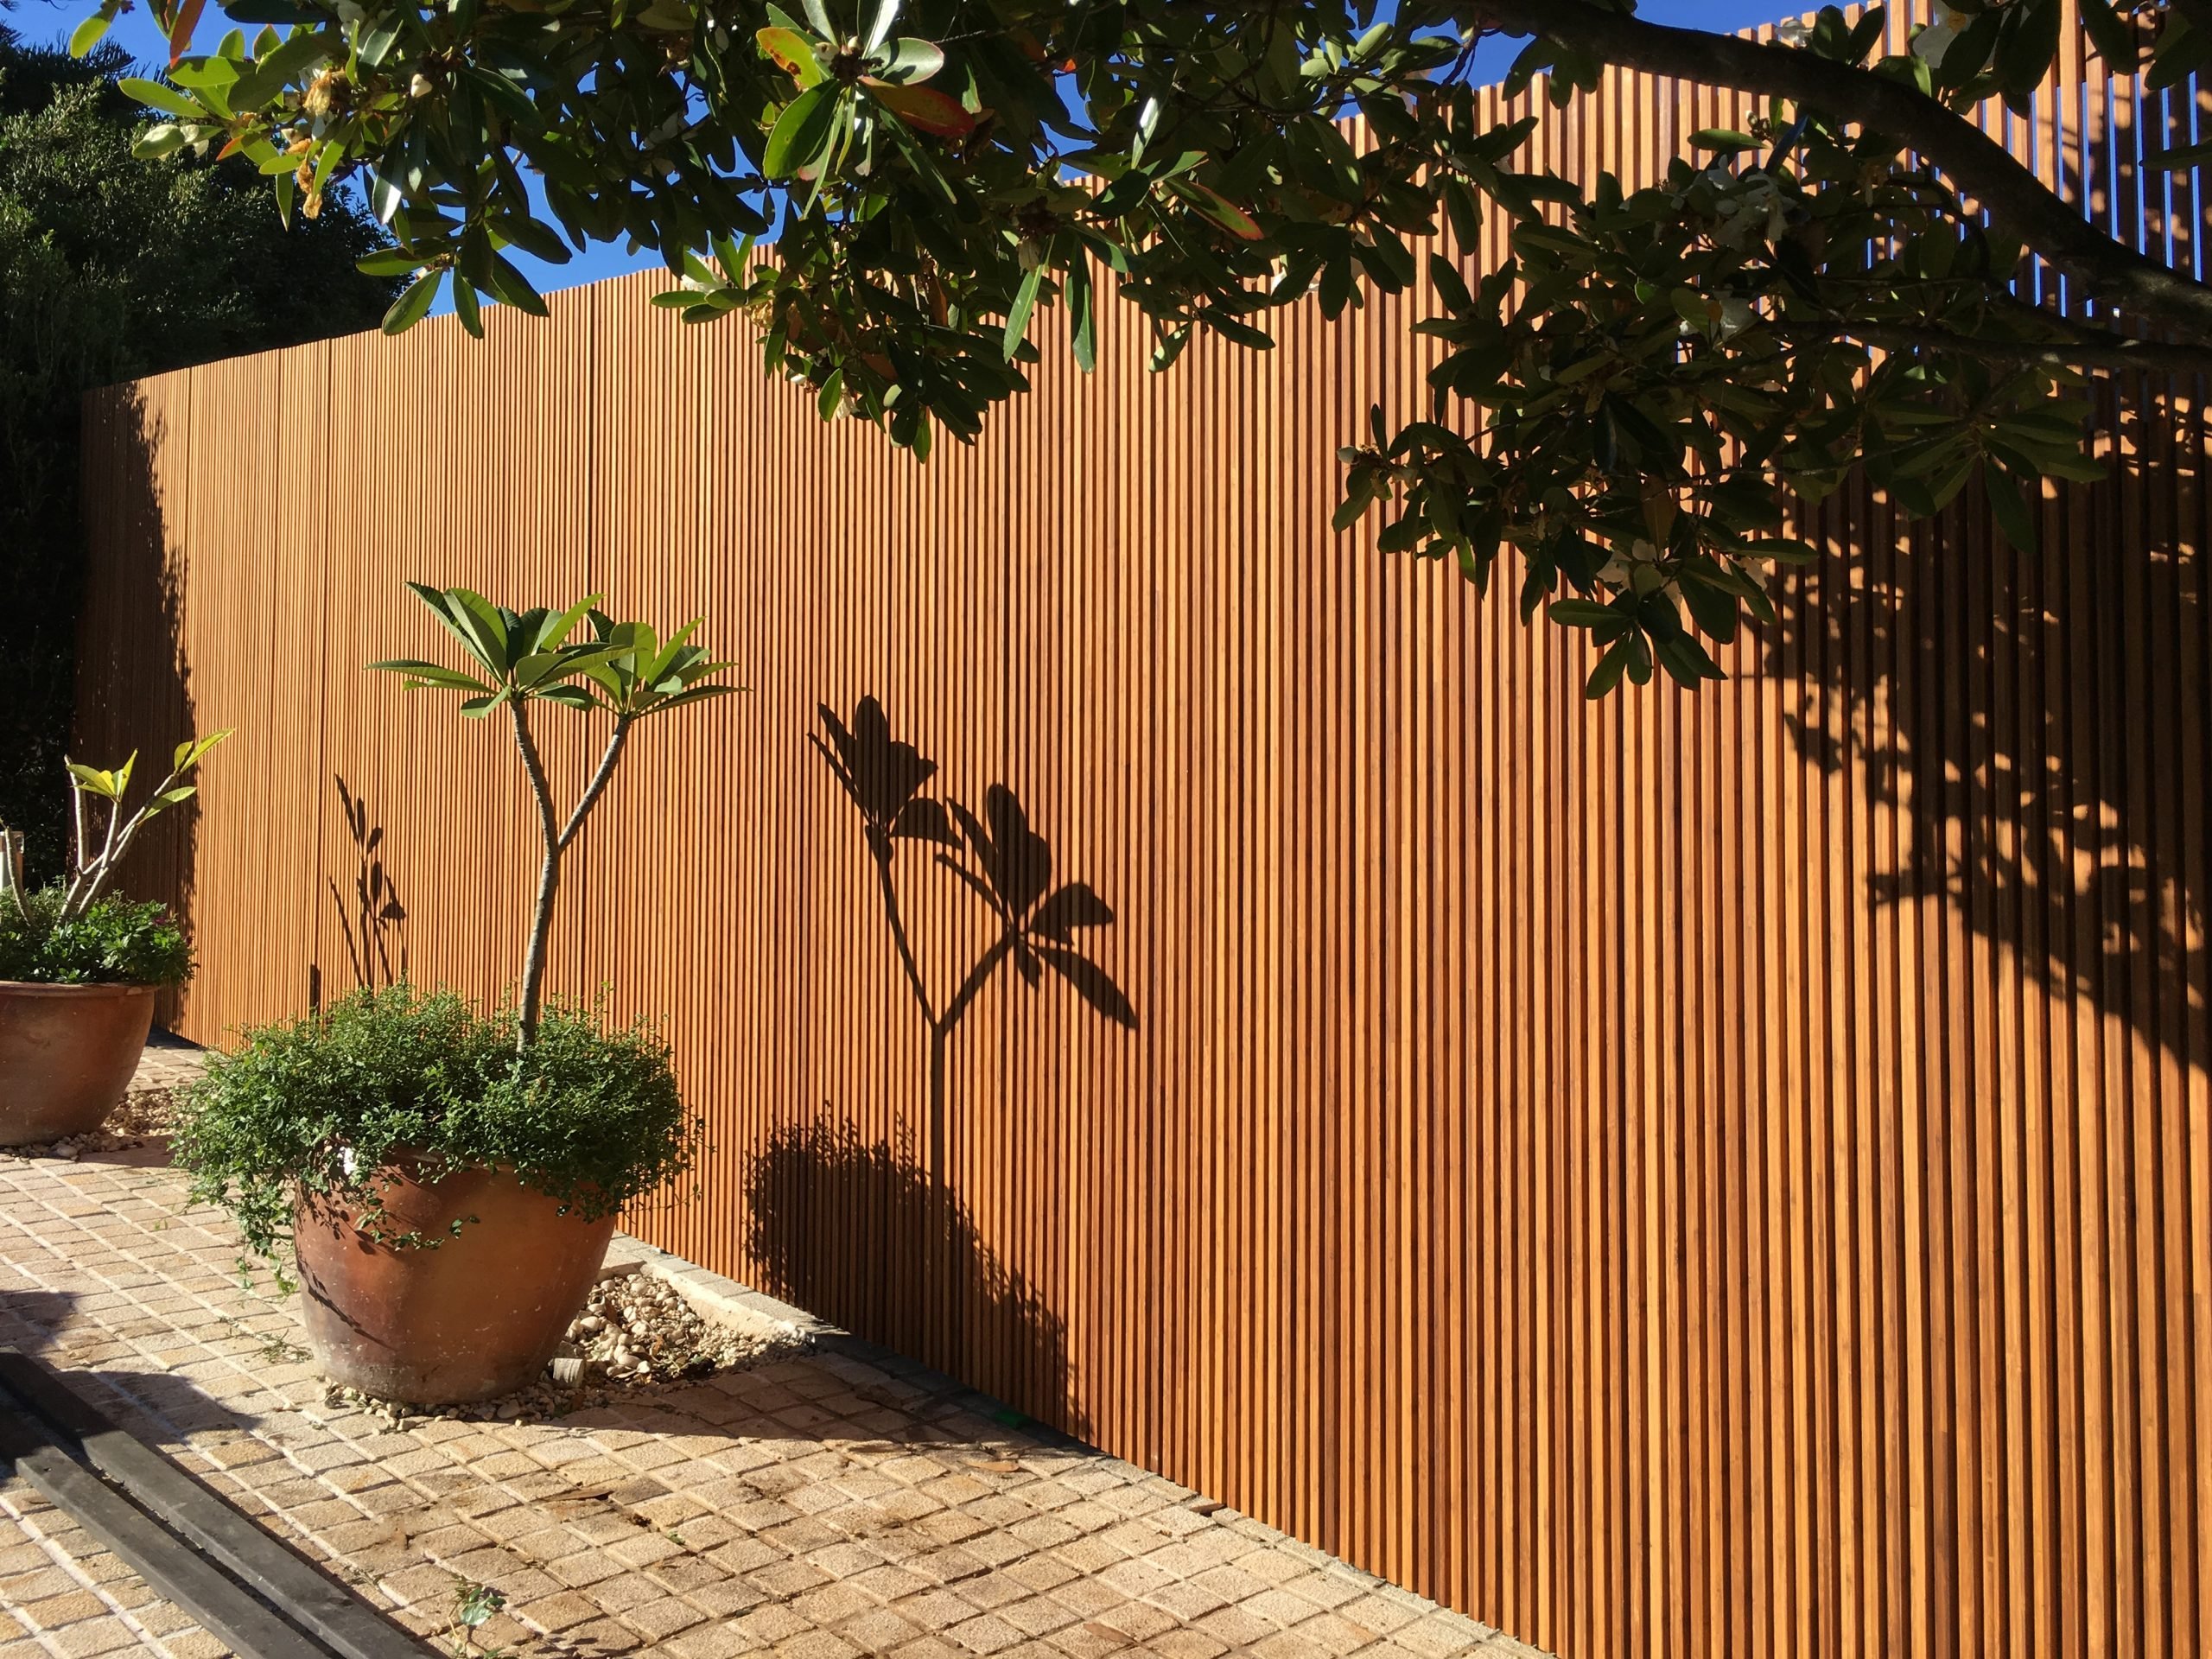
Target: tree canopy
[(112, 267), (1626, 398)]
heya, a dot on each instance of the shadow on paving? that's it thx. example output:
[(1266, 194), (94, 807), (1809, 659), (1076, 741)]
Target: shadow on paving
[(237, 1445)]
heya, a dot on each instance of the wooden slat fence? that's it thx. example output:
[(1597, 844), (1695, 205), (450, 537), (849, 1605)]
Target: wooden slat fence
[(1718, 1174)]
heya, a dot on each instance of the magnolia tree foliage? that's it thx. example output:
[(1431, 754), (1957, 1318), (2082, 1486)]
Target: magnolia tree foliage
[(948, 182)]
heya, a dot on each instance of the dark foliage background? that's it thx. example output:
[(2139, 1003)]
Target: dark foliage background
[(110, 268)]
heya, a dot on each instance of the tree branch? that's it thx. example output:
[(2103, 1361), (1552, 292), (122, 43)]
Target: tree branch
[(1977, 165), (598, 782), (2111, 351)]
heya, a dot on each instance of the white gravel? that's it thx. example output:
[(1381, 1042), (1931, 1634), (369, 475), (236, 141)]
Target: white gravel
[(637, 1335)]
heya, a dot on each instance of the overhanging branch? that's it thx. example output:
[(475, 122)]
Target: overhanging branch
[(1978, 166), (2111, 351)]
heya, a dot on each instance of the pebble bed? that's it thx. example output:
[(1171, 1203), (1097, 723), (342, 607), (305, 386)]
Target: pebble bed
[(143, 1114)]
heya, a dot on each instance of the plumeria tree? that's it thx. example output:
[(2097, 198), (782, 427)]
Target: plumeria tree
[(1625, 398), (96, 846), (516, 658)]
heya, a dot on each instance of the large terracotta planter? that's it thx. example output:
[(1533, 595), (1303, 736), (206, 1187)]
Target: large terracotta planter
[(66, 1053), (478, 1315)]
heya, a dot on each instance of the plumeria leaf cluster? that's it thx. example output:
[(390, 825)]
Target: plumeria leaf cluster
[(1636, 386), (624, 669), (517, 658), (97, 844)]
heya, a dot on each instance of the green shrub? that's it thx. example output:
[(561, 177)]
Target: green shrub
[(115, 942), (589, 1116)]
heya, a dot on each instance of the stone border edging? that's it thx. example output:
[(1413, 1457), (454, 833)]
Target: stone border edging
[(712, 1296)]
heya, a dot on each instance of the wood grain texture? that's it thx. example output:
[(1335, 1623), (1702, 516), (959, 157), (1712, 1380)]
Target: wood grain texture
[(1726, 1174)]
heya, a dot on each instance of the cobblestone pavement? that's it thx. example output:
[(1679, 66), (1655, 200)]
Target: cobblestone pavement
[(844, 1501)]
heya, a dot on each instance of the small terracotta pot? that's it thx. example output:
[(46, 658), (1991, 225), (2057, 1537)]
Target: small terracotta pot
[(66, 1053), (476, 1316)]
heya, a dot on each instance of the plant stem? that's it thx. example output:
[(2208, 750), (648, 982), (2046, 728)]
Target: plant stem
[(11, 868), (105, 863), (548, 882), (976, 976), (598, 781), (88, 879), (76, 843)]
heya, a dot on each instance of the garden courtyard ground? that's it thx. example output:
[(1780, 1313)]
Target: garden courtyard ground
[(842, 1501)]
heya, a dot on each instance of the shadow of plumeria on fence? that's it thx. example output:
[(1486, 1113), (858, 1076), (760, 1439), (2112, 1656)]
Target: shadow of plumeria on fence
[(815, 1184), (1007, 864)]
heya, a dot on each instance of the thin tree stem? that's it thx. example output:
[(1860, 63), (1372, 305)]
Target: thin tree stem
[(549, 882), (91, 878), (76, 844)]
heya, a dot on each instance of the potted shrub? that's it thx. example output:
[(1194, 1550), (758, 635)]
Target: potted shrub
[(80, 967), (447, 1178)]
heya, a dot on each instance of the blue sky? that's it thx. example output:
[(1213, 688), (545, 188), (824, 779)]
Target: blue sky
[(45, 19)]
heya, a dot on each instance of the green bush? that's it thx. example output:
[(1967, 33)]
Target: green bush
[(115, 942), (589, 1116)]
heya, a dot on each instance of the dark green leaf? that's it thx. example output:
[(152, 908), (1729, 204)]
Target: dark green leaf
[(410, 307), (802, 132), (1017, 317), (2009, 508), (1083, 324)]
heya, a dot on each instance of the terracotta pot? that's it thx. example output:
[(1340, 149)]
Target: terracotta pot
[(476, 1316), (66, 1053)]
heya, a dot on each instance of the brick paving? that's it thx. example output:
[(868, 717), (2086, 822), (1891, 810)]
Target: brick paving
[(842, 1502)]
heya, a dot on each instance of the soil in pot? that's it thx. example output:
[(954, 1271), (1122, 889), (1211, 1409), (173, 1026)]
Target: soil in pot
[(477, 1314), (66, 1053)]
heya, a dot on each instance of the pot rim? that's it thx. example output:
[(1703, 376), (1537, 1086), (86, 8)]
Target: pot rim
[(104, 987)]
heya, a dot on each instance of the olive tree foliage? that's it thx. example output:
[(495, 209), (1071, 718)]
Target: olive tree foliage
[(1627, 397)]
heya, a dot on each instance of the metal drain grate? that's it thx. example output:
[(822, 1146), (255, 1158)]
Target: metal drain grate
[(248, 1588)]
